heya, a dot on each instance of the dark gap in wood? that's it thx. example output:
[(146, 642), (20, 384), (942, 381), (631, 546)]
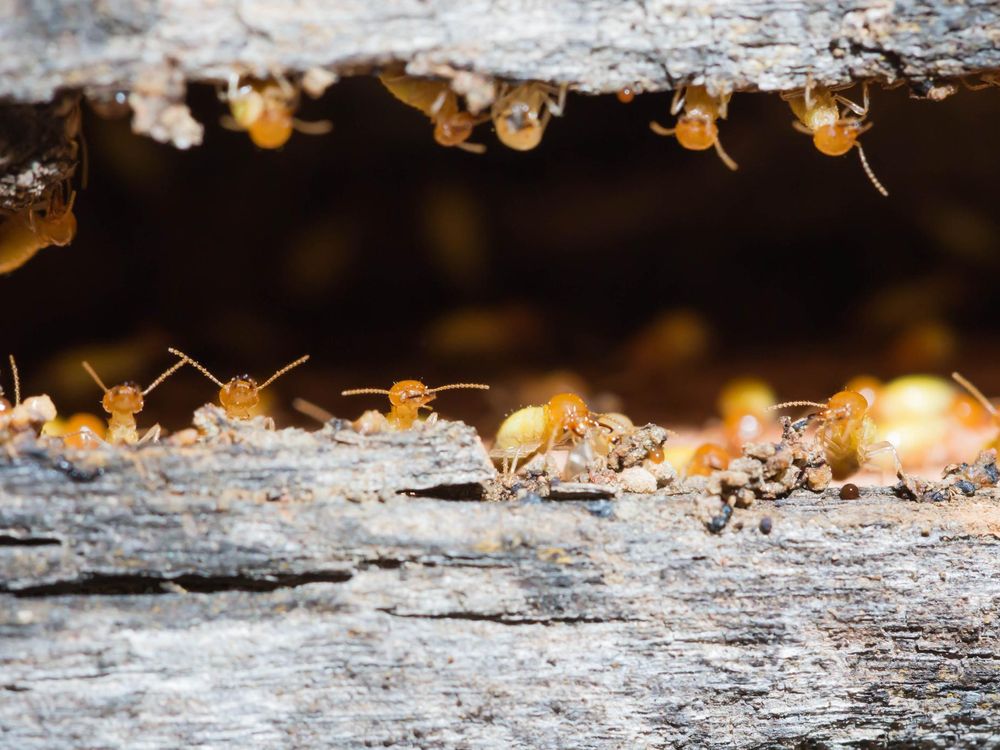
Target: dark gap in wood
[(27, 541), (123, 585), (465, 492), (505, 620)]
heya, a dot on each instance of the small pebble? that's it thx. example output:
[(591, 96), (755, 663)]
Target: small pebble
[(637, 479), (765, 525), (850, 492)]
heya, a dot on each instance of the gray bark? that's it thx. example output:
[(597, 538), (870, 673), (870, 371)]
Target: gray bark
[(594, 45), (152, 49), (167, 602)]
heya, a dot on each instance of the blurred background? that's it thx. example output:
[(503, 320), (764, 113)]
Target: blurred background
[(608, 260)]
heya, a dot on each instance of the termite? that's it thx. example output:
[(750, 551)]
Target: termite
[(985, 402), (25, 233), (452, 125), (985, 81), (564, 418), (266, 111), (521, 113), (845, 432), (696, 129), (241, 394), (123, 402), (820, 115), (707, 458), (626, 94), (407, 397)]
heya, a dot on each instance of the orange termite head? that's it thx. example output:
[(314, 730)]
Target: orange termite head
[(626, 95), (520, 127), (568, 413), (272, 129), (410, 392), (59, 224), (707, 458), (845, 405), (837, 139), (696, 133), (126, 397), (454, 129), (239, 395)]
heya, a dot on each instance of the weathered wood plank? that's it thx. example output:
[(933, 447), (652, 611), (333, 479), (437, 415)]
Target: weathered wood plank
[(418, 622), (594, 45)]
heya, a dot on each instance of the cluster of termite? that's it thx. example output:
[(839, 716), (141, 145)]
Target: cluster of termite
[(520, 112), (562, 438)]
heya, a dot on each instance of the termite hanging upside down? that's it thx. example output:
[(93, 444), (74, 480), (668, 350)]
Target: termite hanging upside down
[(819, 113), (407, 397), (123, 402), (452, 125), (24, 234), (241, 394), (697, 129), (521, 113), (266, 111), (845, 432), (565, 418)]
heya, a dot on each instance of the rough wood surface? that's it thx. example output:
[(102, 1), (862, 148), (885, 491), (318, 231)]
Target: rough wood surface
[(595, 45), (168, 609)]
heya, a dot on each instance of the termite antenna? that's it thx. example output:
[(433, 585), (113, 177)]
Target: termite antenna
[(311, 410), (170, 371), (283, 370), (787, 404), (17, 381), (660, 130), (975, 392), (726, 158), (454, 386), (362, 391), (97, 379), (871, 175), (196, 365)]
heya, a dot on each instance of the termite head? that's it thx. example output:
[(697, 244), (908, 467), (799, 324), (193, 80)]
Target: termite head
[(126, 397), (59, 224), (567, 412), (696, 133), (520, 126), (454, 129), (272, 129), (410, 393), (842, 406), (626, 95), (837, 139), (239, 395), (265, 110)]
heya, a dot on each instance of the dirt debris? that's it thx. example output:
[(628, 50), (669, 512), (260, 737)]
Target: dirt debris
[(958, 480), (766, 471)]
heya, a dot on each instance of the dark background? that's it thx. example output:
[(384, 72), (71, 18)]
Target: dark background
[(369, 247)]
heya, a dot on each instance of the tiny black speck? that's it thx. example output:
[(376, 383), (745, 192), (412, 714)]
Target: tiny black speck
[(965, 487)]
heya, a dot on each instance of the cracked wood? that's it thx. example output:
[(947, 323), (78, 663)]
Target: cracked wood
[(421, 622), (593, 45)]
